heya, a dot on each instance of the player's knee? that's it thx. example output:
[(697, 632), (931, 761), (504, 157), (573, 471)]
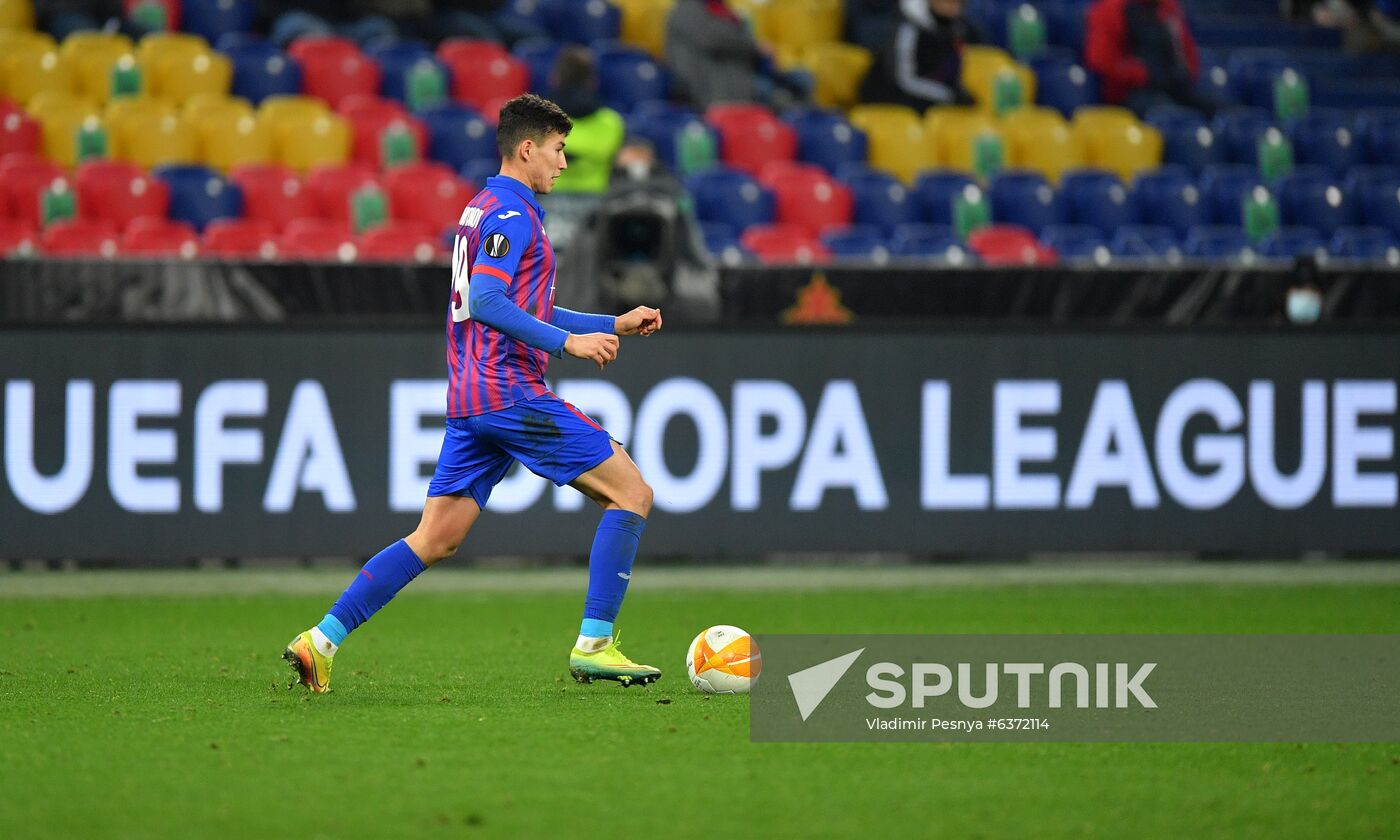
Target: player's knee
[(639, 498)]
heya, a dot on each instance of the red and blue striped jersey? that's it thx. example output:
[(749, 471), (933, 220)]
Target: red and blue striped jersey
[(501, 235)]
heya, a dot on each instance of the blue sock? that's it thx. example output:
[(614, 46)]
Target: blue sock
[(380, 580), (609, 570)]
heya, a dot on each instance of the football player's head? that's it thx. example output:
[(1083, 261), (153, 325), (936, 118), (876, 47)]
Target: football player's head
[(530, 137)]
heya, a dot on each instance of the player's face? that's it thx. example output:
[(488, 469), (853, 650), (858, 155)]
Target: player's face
[(547, 162)]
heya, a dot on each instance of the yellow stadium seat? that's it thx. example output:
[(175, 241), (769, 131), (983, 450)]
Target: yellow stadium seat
[(800, 22), (980, 68), (29, 70), (179, 76), (302, 141), (61, 115), (15, 39), (757, 13), (157, 46), (1113, 139), (953, 132), (644, 23), (839, 69), (275, 108), (228, 139), (93, 68), (16, 14), (1041, 140), (203, 104), (80, 42), (132, 110), (156, 140), (897, 140)]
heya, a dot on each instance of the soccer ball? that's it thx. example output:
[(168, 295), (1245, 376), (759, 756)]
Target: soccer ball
[(723, 660)]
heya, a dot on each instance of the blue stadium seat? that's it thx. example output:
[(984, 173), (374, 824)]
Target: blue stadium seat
[(936, 189), (1225, 187), (1315, 198), (1064, 84), (261, 70), (826, 139), (1215, 81), (918, 240), (1065, 22), (1096, 197), (627, 76), (1254, 70), (1146, 242), (728, 195), (1170, 198), (457, 135), (1291, 242), (862, 241), (1027, 199), (1380, 203), (1217, 243), (879, 198), (211, 19), (1186, 138), (1238, 131), (582, 21), (1380, 133), (1076, 242), (539, 54), (199, 195), (1327, 138), (664, 124), (722, 241), (398, 60), (477, 171), (1365, 243)]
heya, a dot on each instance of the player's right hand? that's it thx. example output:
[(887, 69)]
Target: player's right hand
[(600, 348)]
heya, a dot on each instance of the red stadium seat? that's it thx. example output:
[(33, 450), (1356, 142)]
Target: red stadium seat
[(79, 238), (19, 133), (369, 118), (153, 237), (335, 76), (316, 239), (16, 237), (273, 194), (1009, 245), (750, 136), (332, 187), (808, 197), (22, 183), (783, 244), (119, 192), (483, 84), (319, 47), (251, 238), (470, 50), (427, 192), (400, 241)]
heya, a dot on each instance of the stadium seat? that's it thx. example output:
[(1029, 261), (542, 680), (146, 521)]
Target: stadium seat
[(118, 192), (750, 137), (469, 51), (302, 140), (1380, 203), (201, 105), (399, 62), (171, 9), (229, 139), (316, 239), (783, 244), (1113, 139), (369, 118), (260, 70), (477, 171), (1077, 243), (644, 24), (1315, 198), (1239, 132), (157, 47), (483, 83), (951, 133), (458, 135), (920, 240), (1146, 242), (19, 134), (153, 237), (179, 75), (129, 116), (1380, 133), (1064, 84), (273, 194), (937, 190), (980, 67), (1170, 198), (539, 54), (16, 237), (1218, 243), (722, 242), (399, 241), (1096, 197), (1291, 242), (199, 195), (212, 19), (246, 238), (92, 56), (896, 139), (16, 15), (855, 242), (428, 193), (332, 74), (1040, 140), (62, 117), (1025, 199), (878, 197), (27, 71), (628, 76), (1007, 245), (333, 187), (838, 69), (732, 197), (676, 132), (1327, 138), (1214, 79), (1065, 23), (1186, 138), (154, 140), (583, 21), (826, 139), (797, 23), (23, 182), (1366, 243), (807, 197), (79, 238), (1254, 70), (1224, 187), (321, 47)]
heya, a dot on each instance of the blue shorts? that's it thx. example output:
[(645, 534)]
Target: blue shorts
[(549, 436)]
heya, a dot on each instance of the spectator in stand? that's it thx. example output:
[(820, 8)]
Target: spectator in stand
[(871, 23), (598, 131), (922, 64), (1145, 54), (715, 58)]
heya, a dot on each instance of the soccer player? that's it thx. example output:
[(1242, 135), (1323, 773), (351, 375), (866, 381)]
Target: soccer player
[(502, 327)]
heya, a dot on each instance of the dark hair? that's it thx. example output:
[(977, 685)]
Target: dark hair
[(529, 117), (574, 69)]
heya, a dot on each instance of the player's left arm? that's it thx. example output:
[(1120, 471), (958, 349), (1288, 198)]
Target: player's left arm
[(640, 321)]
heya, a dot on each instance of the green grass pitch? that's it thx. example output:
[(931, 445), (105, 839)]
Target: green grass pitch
[(452, 715)]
